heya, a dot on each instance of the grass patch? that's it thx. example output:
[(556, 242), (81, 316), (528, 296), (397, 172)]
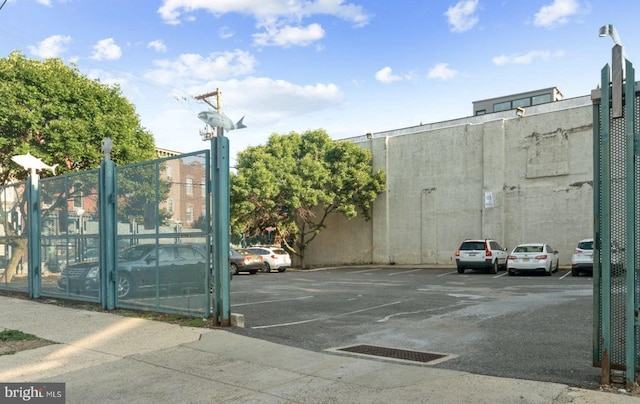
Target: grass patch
[(15, 335)]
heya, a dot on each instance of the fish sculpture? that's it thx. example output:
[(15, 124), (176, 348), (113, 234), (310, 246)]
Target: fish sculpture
[(30, 162), (220, 120)]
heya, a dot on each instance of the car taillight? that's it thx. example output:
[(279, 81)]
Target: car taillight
[(542, 257), (457, 253), (512, 257), (273, 256), (487, 252)]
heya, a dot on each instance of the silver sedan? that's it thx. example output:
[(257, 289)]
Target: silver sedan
[(533, 257)]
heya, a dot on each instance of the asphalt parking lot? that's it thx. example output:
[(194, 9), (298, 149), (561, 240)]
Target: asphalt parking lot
[(532, 327)]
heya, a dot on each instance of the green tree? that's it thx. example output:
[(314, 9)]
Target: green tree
[(294, 182), (55, 113)]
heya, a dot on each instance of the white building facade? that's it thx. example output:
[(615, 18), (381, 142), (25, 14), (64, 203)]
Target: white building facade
[(515, 176)]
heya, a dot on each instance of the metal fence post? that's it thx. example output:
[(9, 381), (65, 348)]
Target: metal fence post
[(33, 213), (107, 223)]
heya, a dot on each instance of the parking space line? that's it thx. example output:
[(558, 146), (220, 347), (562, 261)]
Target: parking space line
[(324, 317), (565, 275), (271, 301), (404, 272), (448, 273)]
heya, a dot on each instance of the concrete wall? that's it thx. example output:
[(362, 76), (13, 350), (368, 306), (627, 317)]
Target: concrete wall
[(515, 179)]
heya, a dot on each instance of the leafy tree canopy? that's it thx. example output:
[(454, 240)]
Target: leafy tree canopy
[(295, 181), (53, 112)]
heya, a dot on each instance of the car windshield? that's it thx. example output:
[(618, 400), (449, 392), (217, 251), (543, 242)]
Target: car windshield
[(586, 245), (135, 253), (472, 245), (528, 248), (242, 251)]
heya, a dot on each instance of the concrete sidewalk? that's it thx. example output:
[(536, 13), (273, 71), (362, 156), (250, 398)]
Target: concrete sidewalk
[(105, 358)]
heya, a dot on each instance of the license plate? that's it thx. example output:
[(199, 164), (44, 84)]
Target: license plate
[(525, 259)]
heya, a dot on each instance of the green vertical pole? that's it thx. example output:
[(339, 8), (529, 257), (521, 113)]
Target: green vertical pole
[(630, 218), (221, 202), (604, 236), (33, 212), (597, 278), (107, 204)]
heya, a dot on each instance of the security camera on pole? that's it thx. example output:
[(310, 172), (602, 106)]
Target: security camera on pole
[(221, 201)]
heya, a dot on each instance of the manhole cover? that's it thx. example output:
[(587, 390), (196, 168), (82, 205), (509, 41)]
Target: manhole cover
[(394, 353)]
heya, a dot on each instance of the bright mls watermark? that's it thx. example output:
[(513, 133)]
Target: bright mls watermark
[(40, 393)]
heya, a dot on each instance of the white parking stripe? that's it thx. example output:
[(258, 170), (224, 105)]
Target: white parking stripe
[(404, 272), (323, 318), (271, 301)]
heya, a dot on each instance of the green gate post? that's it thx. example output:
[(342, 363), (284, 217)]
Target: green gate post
[(107, 217), (630, 219), (33, 240), (603, 232), (107, 205), (221, 202)]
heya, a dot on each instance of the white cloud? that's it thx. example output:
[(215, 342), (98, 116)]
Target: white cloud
[(51, 47), (45, 2), (225, 32), (192, 67), (266, 11), (462, 16), (442, 71), (525, 59), (106, 49), (158, 46), (287, 36), (385, 75), (556, 13)]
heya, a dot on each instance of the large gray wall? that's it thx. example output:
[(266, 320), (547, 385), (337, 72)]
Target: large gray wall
[(538, 169)]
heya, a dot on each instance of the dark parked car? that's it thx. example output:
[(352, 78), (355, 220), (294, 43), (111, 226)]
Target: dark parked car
[(141, 267), (242, 260)]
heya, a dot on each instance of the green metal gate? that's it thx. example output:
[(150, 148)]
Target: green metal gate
[(616, 184)]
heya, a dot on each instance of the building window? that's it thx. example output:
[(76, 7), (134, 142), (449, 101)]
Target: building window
[(189, 215), (481, 112), (522, 102), (541, 99), (169, 172), (170, 205), (203, 187), (502, 106), (189, 187), (78, 200)]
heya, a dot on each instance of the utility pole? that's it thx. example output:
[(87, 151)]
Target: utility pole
[(217, 94)]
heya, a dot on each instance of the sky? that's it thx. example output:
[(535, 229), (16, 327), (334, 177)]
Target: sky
[(346, 66)]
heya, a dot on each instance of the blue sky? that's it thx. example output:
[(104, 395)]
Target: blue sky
[(346, 66)]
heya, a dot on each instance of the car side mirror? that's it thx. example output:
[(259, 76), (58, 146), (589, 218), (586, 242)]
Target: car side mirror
[(150, 258)]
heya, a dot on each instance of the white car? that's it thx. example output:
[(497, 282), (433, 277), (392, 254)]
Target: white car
[(534, 257), (487, 255), (582, 258), (274, 258)]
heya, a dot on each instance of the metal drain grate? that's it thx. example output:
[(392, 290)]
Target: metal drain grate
[(401, 354)]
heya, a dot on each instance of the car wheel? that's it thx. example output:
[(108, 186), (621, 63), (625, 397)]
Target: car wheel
[(550, 270), (253, 271), (282, 269), (125, 286), (460, 270), (574, 272), (233, 268), (494, 269), (266, 268), (511, 272)]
